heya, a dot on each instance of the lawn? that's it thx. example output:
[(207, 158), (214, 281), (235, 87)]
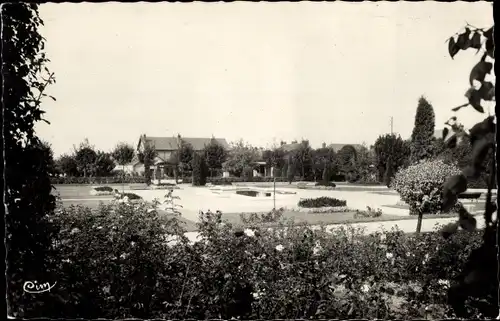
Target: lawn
[(80, 195), (328, 218), (74, 195), (476, 206)]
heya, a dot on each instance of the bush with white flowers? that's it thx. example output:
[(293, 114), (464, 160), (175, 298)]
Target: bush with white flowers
[(420, 185), (126, 260)]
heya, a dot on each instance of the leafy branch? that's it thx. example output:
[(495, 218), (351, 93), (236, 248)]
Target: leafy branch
[(482, 264)]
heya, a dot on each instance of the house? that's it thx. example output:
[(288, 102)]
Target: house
[(166, 147), (134, 167)]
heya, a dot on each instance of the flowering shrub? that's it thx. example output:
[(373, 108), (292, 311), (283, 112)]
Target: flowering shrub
[(123, 260), (321, 202), (420, 185), (370, 212), (258, 218), (321, 210)]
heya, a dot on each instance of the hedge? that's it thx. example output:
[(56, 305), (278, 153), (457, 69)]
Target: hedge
[(117, 262), (141, 179), (98, 180), (326, 184), (321, 202)]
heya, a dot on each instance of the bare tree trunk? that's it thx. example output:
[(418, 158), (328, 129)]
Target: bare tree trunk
[(123, 179), (419, 221)]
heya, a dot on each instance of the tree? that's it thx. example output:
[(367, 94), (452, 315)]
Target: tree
[(284, 171), (323, 160), (66, 164), (479, 275), (104, 164), (389, 172), (461, 156), (215, 156), (291, 169), (85, 157), (303, 159), (390, 146), (241, 155), (147, 156), (29, 201), (274, 158), (365, 163), (186, 153), (123, 155), (422, 137), (200, 170), (346, 159), (420, 185), (48, 154)]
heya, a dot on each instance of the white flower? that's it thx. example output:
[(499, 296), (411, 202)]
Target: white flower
[(426, 258), (445, 283), (317, 248), (106, 289), (132, 243), (365, 288), (257, 294), (75, 230), (123, 256), (389, 255), (249, 232), (279, 247)]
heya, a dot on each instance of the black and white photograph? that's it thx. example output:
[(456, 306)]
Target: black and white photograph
[(250, 160)]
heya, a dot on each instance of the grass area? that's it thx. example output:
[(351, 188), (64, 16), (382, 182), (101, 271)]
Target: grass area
[(391, 193), (476, 206), (318, 218), (189, 225)]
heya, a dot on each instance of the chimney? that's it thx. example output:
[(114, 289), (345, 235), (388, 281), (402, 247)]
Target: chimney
[(179, 140), (324, 145)]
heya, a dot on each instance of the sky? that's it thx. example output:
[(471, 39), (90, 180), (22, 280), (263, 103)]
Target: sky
[(262, 72)]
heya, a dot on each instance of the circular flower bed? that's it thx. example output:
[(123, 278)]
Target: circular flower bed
[(101, 190), (321, 202)]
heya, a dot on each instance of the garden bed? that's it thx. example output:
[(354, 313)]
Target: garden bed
[(309, 218), (321, 202), (102, 191), (131, 197)]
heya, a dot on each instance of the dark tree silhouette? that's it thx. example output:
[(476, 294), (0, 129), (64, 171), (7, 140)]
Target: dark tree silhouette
[(29, 200)]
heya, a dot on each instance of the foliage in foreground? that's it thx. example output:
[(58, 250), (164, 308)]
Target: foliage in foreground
[(28, 161), (124, 260), (481, 269)]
